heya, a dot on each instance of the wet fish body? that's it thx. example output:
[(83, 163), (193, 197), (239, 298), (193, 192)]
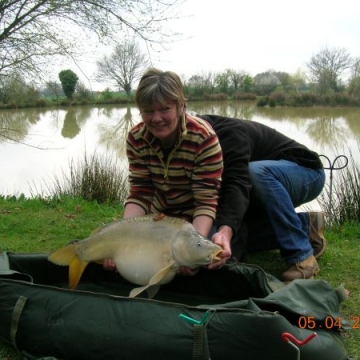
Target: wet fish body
[(147, 250)]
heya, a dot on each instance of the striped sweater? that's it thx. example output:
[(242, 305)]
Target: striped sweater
[(187, 182)]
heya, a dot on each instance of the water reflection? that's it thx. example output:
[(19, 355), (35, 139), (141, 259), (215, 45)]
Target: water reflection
[(15, 124), (114, 136), (69, 133), (70, 128)]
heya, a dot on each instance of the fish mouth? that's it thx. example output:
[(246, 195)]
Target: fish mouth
[(215, 256)]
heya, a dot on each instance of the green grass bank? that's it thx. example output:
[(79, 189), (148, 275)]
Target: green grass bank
[(43, 225)]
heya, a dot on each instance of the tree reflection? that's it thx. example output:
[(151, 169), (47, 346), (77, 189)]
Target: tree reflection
[(239, 110), (353, 122), (114, 137), (15, 124), (328, 131), (325, 126), (70, 128)]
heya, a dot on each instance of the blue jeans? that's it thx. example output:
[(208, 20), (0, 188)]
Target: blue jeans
[(279, 186)]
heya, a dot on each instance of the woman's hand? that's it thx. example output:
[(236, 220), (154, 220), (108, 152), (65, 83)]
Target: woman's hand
[(109, 265), (185, 271)]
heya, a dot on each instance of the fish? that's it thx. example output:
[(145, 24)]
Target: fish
[(147, 251)]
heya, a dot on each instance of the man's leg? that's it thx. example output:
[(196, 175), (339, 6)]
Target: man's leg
[(279, 187)]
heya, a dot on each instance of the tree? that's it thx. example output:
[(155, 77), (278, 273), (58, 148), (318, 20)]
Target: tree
[(326, 67), (15, 90), (200, 84), (68, 81), (33, 31), (222, 82), (354, 83), (298, 81), (237, 79), (52, 88), (265, 83), (248, 83), (123, 66)]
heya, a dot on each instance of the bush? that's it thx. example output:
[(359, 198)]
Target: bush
[(272, 103), (215, 97), (277, 98), (263, 101), (244, 96)]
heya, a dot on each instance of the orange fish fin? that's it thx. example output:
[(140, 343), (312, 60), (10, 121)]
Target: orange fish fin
[(68, 256), (76, 268), (63, 256)]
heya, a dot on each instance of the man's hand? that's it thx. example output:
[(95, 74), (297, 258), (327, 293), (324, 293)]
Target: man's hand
[(223, 239)]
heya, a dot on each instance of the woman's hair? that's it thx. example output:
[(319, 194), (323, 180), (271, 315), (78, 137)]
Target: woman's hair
[(159, 86)]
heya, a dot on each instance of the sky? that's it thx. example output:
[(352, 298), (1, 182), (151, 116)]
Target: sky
[(256, 35)]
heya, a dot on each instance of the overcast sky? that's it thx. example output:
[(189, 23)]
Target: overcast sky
[(258, 35)]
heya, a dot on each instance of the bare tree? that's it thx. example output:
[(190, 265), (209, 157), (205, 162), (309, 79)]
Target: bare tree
[(326, 67), (237, 79), (53, 88), (354, 83), (356, 68), (123, 66), (33, 31)]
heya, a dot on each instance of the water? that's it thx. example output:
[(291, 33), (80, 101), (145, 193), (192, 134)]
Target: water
[(38, 145)]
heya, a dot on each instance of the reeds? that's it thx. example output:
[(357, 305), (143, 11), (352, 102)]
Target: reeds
[(103, 179), (341, 198), (95, 177)]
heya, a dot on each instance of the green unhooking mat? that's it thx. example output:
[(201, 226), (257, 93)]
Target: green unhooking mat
[(236, 313)]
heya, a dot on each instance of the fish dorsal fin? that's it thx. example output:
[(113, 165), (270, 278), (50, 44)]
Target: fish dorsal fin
[(155, 279)]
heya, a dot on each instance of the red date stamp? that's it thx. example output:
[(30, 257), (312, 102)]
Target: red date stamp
[(330, 323)]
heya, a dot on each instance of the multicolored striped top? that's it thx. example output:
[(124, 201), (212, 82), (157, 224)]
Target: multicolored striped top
[(186, 183)]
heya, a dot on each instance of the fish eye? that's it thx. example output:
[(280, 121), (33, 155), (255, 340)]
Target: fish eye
[(199, 244)]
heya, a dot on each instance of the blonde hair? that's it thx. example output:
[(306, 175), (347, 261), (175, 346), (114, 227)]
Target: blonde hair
[(159, 86)]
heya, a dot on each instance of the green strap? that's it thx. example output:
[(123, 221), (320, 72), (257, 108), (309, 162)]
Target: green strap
[(201, 347), (15, 319)]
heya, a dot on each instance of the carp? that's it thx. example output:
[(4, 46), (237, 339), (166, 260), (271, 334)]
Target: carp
[(147, 251)]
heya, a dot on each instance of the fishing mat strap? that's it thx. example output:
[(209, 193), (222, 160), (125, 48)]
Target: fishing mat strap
[(15, 319), (200, 347)]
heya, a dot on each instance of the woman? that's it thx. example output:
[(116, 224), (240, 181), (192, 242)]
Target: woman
[(175, 160)]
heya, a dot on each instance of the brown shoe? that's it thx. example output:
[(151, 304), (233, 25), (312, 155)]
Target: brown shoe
[(305, 269), (316, 236)]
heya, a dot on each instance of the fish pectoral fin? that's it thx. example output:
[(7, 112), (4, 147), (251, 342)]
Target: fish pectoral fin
[(137, 291), (152, 291), (155, 279)]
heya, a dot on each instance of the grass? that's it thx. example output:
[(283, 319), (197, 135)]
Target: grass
[(340, 264), (42, 225)]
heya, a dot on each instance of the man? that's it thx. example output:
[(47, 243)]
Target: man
[(266, 176)]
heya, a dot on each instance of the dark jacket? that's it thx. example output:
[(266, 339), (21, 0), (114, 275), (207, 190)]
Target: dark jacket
[(243, 141)]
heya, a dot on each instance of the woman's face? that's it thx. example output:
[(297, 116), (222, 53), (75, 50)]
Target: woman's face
[(162, 121)]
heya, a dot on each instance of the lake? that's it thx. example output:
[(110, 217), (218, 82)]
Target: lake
[(38, 145)]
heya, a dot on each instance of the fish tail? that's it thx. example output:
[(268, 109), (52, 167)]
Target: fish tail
[(68, 256)]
